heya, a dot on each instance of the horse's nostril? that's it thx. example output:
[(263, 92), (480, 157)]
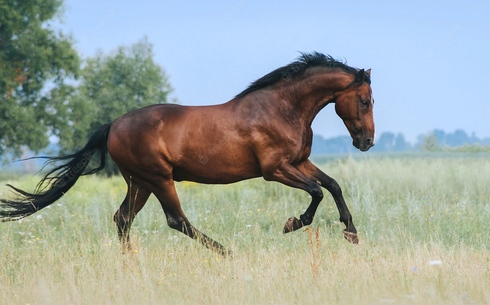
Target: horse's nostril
[(369, 142)]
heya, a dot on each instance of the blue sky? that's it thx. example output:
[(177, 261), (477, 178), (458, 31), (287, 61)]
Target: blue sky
[(429, 59)]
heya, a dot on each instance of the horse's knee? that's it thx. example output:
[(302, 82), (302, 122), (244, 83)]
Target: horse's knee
[(333, 187), (316, 192)]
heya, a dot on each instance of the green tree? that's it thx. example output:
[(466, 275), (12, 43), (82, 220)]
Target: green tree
[(110, 86), (35, 61), (429, 142)]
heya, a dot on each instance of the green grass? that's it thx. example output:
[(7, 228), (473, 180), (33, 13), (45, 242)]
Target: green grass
[(408, 211)]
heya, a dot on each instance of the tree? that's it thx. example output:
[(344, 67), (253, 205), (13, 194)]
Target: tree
[(429, 142), (401, 144), (459, 137), (385, 142), (32, 56), (110, 86)]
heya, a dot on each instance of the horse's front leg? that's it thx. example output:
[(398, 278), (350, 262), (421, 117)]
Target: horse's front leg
[(291, 176), (312, 172)]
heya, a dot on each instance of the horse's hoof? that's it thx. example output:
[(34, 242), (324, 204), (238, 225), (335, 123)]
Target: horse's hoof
[(351, 237), (291, 225)]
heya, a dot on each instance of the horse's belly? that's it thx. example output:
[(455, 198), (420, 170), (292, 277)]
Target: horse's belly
[(213, 172)]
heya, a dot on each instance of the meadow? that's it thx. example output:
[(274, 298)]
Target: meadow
[(422, 222)]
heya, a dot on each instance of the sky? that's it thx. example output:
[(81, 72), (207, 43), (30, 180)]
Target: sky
[(429, 59)]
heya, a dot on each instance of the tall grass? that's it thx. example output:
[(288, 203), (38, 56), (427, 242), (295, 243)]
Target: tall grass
[(409, 212)]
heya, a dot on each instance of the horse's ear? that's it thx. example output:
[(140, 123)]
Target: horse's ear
[(360, 76), (368, 71)]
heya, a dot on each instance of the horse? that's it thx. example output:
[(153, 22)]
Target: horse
[(265, 131)]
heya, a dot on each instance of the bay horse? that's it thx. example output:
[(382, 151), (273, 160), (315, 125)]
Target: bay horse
[(264, 131)]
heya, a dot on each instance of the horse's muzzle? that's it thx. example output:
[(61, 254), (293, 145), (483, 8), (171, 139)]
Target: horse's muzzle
[(363, 144)]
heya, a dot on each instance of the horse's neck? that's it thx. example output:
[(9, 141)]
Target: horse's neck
[(314, 92)]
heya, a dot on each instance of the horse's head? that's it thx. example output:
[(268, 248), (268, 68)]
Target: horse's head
[(354, 105)]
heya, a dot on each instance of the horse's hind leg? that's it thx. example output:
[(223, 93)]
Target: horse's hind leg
[(136, 198), (167, 195)]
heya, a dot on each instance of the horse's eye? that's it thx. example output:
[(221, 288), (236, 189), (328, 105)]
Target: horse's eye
[(365, 103)]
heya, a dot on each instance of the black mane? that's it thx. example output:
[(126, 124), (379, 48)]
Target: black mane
[(297, 68)]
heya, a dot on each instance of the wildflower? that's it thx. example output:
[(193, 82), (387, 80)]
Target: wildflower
[(39, 217), (436, 262), (136, 251), (415, 269)]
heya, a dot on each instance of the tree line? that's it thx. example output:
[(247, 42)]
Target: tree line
[(436, 140)]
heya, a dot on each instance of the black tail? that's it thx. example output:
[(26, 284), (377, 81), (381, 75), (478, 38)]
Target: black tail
[(58, 180)]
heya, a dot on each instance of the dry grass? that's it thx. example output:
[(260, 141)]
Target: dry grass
[(410, 212)]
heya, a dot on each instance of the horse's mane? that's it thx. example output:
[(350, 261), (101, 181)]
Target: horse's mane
[(297, 68)]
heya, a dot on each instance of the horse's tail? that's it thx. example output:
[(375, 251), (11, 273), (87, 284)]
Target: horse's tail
[(58, 180)]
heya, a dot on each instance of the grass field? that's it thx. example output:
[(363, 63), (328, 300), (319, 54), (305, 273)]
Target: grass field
[(423, 225)]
